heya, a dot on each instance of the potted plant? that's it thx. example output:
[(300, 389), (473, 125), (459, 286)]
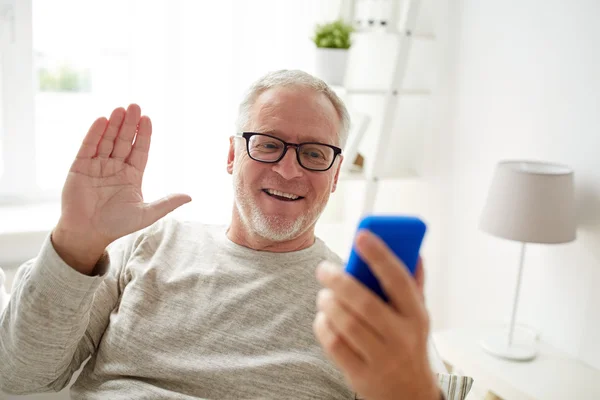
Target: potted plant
[(333, 41)]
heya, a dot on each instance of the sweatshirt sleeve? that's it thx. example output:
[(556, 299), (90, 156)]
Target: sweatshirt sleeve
[(56, 317)]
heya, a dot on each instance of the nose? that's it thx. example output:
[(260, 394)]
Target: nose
[(288, 167)]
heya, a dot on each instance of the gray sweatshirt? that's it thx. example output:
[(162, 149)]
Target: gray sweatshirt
[(175, 311)]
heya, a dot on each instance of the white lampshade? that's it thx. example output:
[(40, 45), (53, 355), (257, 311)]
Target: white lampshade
[(531, 202)]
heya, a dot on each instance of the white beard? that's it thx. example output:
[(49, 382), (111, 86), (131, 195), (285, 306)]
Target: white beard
[(271, 227)]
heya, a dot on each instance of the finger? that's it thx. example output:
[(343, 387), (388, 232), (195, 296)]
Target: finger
[(108, 137), (158, 209), (92, 138), (420, 277), (357, 298), (392, 274), (336, 348), (138, 157), (359, 336), (124, 141)]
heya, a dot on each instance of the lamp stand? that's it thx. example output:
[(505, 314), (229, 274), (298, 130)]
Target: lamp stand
[(507, 347)]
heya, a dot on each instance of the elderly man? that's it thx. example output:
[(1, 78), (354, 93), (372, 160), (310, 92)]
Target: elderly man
[(180, 310)]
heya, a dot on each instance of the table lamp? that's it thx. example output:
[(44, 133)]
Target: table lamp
[(528, 202)]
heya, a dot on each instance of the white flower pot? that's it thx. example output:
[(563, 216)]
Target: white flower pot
[(330, 65)]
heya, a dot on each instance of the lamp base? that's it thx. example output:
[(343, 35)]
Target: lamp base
[(497, 345)]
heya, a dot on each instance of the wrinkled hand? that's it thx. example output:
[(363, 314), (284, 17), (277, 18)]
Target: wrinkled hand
[(102, 196), (381, 348)]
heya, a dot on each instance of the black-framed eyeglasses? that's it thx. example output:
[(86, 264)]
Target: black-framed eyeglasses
[(312, 156)]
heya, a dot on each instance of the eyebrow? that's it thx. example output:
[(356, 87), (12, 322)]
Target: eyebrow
[(277, 133)]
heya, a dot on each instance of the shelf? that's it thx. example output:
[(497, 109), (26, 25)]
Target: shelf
[(19, 219), (404, 92), (383, 31), (376, 91), (360, 176), (23, 229), (352, 176)]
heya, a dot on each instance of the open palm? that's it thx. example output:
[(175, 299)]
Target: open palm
[(102, 196)]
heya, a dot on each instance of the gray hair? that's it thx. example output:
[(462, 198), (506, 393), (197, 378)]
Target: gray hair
[(291, 78)]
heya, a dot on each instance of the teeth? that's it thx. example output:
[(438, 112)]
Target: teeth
[(281, 194)]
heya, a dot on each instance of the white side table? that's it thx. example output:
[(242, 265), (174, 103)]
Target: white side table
[(553, 375)]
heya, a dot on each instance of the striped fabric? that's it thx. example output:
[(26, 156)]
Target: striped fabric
[(453, 387)]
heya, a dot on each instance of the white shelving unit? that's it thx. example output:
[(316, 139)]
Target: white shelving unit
[(393, 24)]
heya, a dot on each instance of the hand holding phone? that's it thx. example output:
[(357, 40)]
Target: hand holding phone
[(402, 234)]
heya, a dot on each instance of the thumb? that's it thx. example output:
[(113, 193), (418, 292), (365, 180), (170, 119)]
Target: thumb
[(159, 208)]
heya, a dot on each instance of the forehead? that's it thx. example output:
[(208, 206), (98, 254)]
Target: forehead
[(295, 114)]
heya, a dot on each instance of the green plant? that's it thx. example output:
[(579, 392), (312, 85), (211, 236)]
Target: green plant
[(333, 35), (64, 79)]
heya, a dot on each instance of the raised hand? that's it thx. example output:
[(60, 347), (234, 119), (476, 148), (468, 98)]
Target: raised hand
[(102, 197)]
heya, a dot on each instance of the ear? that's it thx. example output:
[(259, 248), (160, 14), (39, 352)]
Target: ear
[(231, 155), (337, 174)]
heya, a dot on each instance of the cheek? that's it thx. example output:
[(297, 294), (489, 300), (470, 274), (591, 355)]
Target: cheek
[(248, 170), (240, 164), (322, 186)]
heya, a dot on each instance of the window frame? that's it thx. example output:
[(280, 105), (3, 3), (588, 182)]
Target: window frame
[(17, 103)]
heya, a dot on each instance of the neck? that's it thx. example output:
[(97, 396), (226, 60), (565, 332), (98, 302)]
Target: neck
[(243, 236)]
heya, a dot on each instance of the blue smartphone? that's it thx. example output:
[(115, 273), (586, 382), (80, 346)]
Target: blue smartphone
[(402, 234)]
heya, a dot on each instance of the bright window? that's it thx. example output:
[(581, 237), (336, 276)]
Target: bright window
[(82, 69), (186, 63)]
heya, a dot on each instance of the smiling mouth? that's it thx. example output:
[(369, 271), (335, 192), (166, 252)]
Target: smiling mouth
[(282, 195)]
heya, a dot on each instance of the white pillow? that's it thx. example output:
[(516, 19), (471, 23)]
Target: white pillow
[(435, 361)]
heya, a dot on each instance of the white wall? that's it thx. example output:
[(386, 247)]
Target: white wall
[(526, 86)]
